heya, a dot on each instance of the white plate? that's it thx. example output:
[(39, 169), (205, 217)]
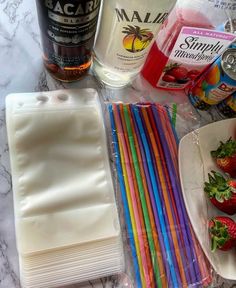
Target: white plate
[(194, 164)]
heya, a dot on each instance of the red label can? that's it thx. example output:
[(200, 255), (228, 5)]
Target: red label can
[(217, 83)]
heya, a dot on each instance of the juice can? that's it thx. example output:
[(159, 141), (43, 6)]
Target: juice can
[(227, 107), (217, 83)]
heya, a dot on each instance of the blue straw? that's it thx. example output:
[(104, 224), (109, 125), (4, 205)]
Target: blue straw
[(124, 198), (157, 199)]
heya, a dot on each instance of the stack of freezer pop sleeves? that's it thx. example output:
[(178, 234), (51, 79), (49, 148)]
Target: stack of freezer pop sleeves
[(66, 218)]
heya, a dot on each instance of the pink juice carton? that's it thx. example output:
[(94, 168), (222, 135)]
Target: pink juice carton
[(188, 42)]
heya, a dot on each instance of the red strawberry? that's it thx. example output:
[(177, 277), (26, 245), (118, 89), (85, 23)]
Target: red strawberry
[(221, 192), (168, 78), (225, 157), (196, 72), (179, 73), (222, 232), (192, 74), (232, 183)]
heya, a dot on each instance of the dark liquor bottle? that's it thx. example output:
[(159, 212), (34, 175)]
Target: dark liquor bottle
[(67, 29)]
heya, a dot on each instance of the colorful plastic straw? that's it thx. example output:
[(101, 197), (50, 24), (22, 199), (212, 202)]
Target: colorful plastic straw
[(150, 199), (150, 254), (159, 188), (201, 266), (182, 213), (133, 201), (142, 197), (124, 199), (165, 251), (157, 199), (169, 212), (168, 198)]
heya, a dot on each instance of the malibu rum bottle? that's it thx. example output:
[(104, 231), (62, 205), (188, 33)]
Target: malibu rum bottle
[(127, 31), (67, 31)]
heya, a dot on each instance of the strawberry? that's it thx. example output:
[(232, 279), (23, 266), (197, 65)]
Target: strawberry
[(168, 78), (225, 157), (179, 73), (196, 72), (222, 232), (221, 192), (232, 183), (192, 74)]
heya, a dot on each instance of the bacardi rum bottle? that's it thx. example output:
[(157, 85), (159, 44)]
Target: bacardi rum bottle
[(127, 31), (67, 30)]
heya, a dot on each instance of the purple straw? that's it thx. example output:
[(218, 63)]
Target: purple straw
[(195, 273)]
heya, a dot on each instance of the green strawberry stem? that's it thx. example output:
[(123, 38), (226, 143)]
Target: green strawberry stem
[(218, 187), (226, 149), (171, 66), (219, 235)]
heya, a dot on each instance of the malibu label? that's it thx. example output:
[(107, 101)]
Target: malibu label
[(135, 16)]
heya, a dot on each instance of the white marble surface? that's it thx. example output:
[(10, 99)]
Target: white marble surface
[(21, 70)]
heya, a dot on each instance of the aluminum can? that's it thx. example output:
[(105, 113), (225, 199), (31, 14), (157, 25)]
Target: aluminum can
[(217, 83)]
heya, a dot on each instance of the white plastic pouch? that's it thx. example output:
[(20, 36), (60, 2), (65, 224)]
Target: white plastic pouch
[(60, 170)]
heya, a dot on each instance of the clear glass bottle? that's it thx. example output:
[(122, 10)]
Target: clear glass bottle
[(127, 31), (68, 29)]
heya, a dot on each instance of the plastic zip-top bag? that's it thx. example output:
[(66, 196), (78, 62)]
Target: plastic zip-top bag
[(67, 225)]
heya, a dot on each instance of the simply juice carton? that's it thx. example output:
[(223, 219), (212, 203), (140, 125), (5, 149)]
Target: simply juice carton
[(188, 43)]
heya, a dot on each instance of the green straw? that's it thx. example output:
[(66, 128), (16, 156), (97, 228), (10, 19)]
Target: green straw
[(142, 197), (174, 114)]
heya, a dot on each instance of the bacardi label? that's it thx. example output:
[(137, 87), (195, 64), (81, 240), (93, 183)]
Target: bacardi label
[(68, 23)]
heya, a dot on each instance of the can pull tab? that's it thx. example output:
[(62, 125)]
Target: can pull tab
[(231, 62)]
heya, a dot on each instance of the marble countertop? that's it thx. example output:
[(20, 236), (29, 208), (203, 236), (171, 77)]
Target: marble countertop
[(21, 70)]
